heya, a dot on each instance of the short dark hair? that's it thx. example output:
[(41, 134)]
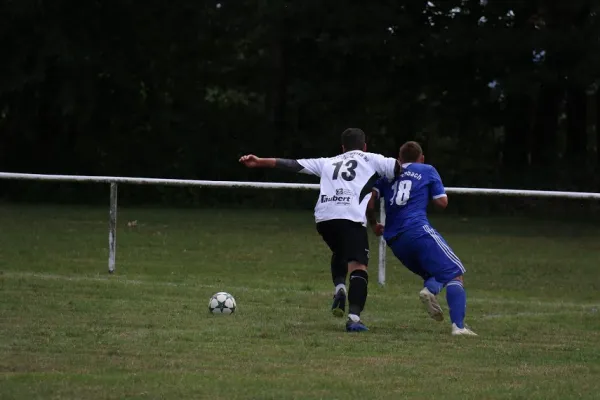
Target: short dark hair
[(410, 152), (353, 139)]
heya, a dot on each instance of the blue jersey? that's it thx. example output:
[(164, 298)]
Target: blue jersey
[(407, 196)]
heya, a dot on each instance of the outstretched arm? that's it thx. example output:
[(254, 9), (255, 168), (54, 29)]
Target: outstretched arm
[(310, 166), (251, 161), (288, 165)]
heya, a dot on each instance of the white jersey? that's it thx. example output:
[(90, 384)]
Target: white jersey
[(346, 183)]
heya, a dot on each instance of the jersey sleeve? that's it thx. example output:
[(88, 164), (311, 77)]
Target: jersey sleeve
[(312, 166), (385, 166), (436, 186)]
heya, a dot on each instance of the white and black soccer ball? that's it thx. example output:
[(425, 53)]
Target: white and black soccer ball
[(221, 303)]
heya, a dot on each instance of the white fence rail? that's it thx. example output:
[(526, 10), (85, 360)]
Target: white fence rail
[(115, 180)]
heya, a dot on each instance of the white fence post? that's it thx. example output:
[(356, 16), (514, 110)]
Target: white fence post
[(112, 228), (382, 245), (114, 180)]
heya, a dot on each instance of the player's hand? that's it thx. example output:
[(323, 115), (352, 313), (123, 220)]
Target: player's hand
[(378, 229), (250, 161)]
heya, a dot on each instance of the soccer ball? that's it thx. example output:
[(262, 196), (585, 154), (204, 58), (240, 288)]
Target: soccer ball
[(221, 303)]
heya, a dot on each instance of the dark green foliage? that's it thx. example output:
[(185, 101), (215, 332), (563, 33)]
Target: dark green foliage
[(183, 88)]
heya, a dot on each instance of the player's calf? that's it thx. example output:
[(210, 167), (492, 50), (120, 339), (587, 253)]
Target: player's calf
[(433, 285), (357, 296), (457, 304), (339, 271)]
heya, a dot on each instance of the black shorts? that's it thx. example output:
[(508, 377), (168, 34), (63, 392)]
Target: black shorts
[(348, 240)]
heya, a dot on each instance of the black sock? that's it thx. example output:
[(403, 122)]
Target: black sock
[(339, 270), (357, 294)]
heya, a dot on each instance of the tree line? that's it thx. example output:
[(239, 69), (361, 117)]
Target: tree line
[(500, 93)]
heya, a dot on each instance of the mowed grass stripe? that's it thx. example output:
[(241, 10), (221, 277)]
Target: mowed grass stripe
[(532, 303)]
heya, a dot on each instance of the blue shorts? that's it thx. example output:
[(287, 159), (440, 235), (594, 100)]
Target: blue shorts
[(423, 251)]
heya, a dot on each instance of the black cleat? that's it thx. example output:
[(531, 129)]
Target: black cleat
[(355, 326), (338, 308)]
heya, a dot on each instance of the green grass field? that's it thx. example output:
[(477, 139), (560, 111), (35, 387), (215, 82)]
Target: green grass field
[(68, 330)]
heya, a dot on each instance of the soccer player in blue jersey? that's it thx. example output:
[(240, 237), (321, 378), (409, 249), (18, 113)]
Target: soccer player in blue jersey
[(412, 239)]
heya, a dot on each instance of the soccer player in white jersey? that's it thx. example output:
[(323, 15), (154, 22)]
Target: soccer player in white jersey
[(340, 213)]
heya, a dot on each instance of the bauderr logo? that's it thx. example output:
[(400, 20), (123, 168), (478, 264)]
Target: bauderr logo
[(337, 199)]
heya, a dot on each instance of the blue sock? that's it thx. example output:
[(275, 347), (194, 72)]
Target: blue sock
[(434, 286), (457, 302)]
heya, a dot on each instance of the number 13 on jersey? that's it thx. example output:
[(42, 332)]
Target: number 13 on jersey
[(401, 192)]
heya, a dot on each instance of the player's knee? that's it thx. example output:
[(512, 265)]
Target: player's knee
[(456, 281), (356, 266)]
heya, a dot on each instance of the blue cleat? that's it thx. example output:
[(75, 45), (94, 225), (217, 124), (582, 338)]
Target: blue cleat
[(358, 326), (338, 308)]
